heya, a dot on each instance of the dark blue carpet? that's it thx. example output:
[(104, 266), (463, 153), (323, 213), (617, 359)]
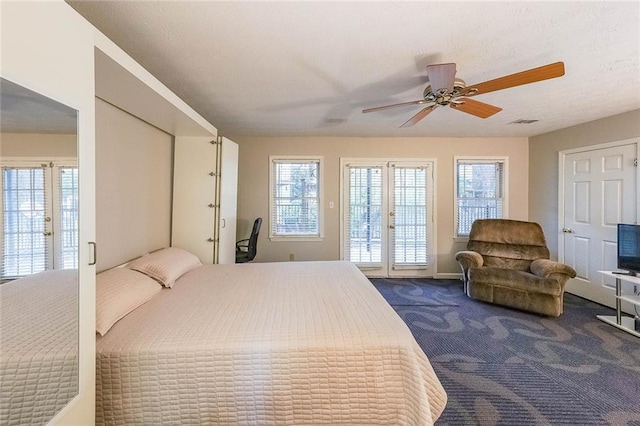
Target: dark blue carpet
[(502, 366)]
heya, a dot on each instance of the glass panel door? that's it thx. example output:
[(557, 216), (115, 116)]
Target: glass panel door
[(387, 216), (364, 225), (67, 241), (39, 217), (26, 215), (408, 230)]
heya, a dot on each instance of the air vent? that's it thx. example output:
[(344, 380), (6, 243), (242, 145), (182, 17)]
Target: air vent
[(523, 121)]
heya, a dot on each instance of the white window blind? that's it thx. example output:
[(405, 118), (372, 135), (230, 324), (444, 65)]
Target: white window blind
[(39, 218), (410, 216), (479, 192), (295, 198), (67, 240), (363, 221), (25, 247)]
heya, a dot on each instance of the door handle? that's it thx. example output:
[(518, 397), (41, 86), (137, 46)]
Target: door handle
[(224, 223), (95, 253), (567, 230)]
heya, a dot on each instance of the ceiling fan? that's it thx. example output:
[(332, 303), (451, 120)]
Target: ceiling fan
[(444, 89)]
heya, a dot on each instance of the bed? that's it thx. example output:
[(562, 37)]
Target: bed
[(39, 346), (271, 343)]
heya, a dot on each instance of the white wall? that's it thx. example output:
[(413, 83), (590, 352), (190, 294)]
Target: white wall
[(38, 145), (253, 188), (543, 154)]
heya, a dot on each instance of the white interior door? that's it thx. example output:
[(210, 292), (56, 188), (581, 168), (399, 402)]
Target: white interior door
[(600, 191), (228, 197), (387, 210)]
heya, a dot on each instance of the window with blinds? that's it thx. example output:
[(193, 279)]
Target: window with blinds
[(480, 191), (39, 218), (363, 225), (410, 216), (295, 198)]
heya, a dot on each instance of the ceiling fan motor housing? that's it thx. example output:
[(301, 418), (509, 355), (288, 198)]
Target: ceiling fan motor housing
[(442, 96)]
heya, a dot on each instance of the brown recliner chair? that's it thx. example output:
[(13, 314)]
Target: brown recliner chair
[(507, 263)]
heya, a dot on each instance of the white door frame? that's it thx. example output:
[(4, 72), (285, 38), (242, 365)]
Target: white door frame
[(432, 202), (561, 183)]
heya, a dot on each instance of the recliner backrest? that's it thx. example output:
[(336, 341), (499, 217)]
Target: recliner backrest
[(506, 243)]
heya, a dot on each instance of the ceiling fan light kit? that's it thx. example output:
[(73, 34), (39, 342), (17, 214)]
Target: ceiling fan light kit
[(453, 92)]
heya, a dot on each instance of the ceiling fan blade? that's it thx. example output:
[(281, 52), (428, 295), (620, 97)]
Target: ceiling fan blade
[(419, 116), (544, 72), (380, 108), (479, 109), (441, 76)]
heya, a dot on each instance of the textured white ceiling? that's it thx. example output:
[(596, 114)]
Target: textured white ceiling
[(25, 111), (308, 68)]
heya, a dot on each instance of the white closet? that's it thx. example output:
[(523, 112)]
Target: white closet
[(205, 181), (48, 48)]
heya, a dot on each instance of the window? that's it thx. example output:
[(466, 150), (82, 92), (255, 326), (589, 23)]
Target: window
[(480, 191), (295, 198), (39, 217)]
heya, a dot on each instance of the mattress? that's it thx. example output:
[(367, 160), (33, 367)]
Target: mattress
[(38, 346), (270, 343)]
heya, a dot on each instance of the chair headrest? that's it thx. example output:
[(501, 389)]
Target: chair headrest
[(507, 231)]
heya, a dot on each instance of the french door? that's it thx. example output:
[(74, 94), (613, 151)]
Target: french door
[(39, 217), (387, 216)]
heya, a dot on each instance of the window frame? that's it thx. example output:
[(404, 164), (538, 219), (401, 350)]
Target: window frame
[(505, 186), (274, 159)]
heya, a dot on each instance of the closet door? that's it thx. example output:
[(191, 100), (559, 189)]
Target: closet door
[(228, 200), (205, 182), (194, 196), (47, 47)]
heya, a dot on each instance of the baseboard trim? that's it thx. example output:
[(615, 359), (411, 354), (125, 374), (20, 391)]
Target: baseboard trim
[(448, 276)]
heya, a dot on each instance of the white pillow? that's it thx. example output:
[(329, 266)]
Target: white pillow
[(166, 265), (118, 292)]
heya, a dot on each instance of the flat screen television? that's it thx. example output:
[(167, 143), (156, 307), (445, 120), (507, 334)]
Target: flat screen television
[(629, 248)]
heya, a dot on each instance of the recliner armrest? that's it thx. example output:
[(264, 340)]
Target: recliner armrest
[(469, 259), (544, 268)]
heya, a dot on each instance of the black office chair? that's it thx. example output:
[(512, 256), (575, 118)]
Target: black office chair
[(246, 249)]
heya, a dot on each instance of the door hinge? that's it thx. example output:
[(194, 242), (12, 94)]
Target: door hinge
[(635, 162)]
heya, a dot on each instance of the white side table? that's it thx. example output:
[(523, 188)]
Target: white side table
[(620, 321)]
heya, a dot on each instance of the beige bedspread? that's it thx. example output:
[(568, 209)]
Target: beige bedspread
[(272, 343), (38, 346)]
